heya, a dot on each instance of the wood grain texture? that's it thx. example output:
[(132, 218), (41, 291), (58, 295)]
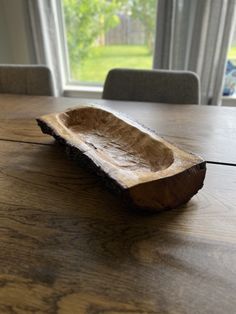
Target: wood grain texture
[(69, 246), (207, 131), (143, 168)]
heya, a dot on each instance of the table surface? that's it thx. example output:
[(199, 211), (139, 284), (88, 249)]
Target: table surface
[(208, 131), (67, 245)]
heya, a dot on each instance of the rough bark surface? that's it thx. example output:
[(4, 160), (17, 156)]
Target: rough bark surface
[(133, 161)]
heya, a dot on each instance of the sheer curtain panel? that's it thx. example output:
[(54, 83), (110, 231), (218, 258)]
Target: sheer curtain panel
[(45, 34), (195, 35)]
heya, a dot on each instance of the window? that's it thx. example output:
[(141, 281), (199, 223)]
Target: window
[(104, 34), (230, 74)]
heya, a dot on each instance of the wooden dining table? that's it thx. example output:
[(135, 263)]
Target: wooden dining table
[(67, 245)]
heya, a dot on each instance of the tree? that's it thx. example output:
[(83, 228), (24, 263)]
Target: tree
[(85, 20), (145, 11)]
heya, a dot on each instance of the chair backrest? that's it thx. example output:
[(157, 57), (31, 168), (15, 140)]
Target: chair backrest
[(164, 86), (26, 79)]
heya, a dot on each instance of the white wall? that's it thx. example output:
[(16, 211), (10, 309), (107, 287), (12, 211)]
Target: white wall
[(15, 34)]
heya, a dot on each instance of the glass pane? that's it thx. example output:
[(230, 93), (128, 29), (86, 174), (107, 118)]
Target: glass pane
[(230, 75), (104, 34)]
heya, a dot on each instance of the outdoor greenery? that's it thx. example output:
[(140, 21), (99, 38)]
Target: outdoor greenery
[(87, 22), (102, 59), (145, 11), (232, 54)]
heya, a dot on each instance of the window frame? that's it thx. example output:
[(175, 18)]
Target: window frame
[(73, 88)]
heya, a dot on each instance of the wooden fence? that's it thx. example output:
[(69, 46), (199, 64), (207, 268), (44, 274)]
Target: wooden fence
[(128, 32)]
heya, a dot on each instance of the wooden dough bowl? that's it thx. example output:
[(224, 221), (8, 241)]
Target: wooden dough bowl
[(144, 168)]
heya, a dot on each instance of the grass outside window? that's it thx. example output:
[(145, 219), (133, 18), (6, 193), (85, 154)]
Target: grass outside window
[(101, 59)]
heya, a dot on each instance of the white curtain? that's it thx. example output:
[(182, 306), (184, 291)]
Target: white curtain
[(195, 35), (45, 37)]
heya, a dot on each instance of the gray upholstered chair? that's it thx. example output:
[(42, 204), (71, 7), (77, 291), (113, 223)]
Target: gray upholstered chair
[(26, 79), (174, 87)]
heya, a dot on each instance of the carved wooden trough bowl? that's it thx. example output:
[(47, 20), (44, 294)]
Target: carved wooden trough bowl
[(148, 171)]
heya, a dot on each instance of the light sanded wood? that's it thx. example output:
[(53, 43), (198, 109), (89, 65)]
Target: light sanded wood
[(69, 246), (208, 131), (153, 173)]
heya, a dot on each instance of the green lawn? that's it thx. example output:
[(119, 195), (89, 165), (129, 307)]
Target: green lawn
[(232, 54), (102, 59)]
